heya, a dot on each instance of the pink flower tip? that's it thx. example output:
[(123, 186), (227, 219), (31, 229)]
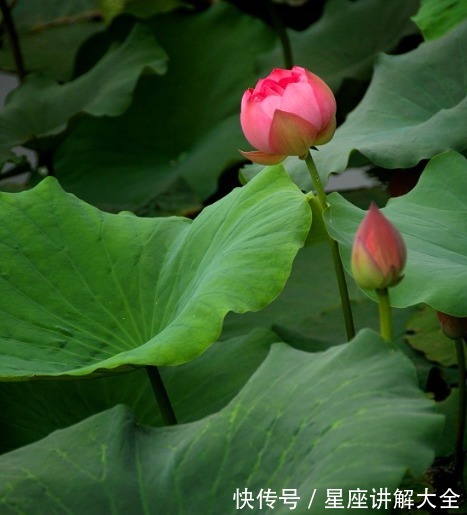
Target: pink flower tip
[(379, 253), (453, 327), (286, 113)]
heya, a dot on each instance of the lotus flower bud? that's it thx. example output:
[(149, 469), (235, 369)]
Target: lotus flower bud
[(286, 113), (453, 327), (379, 253)]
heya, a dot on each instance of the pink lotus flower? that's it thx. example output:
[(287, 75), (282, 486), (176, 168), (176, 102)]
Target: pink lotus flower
[(453, 327), (286, 113), (379, 253)]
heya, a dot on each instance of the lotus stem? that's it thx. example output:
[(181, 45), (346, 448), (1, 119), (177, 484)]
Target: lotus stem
[(385, 318), (162, 398), (336, 258), (282, 33), (14, 40), (461, 415)]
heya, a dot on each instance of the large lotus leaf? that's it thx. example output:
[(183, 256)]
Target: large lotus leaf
[(436, 17), (33, 409), (309, 306), (30, 15), (332, 426), (308, 314), (425, 335), (433, 221), (449, 407), (415, 108), (295, 167), (82, 290), (51, 53), (352, 183), (141, 8), (41, 107), (311, 290), (184, 125), (50, 33), (334, 47)]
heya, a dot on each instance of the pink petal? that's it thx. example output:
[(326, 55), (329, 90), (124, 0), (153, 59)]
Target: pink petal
[(255, 122), (324, 96), (262, 158), (280, 74), (327, 134), (258, 88), (290, 134), (299, 70), (271, 87), (270, 104), (299, 99), (379, 253), (383, 240)]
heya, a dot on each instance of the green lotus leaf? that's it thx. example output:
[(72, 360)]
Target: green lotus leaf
[(183, 126), (33, 409), (51, 53), (50, 33), (141, 8), (84, 291), (303, 421), (414, 108), (449, 407), (433, 221), (425, 335), (42, 107), (334, 48), (436, 17)]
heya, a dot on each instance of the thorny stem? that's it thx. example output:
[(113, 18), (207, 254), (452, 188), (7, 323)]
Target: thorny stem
[(338, 268), (161, 395), (14, 41)]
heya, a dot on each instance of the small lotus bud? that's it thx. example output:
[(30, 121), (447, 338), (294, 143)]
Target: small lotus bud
[(453, 327), (379, 253)]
